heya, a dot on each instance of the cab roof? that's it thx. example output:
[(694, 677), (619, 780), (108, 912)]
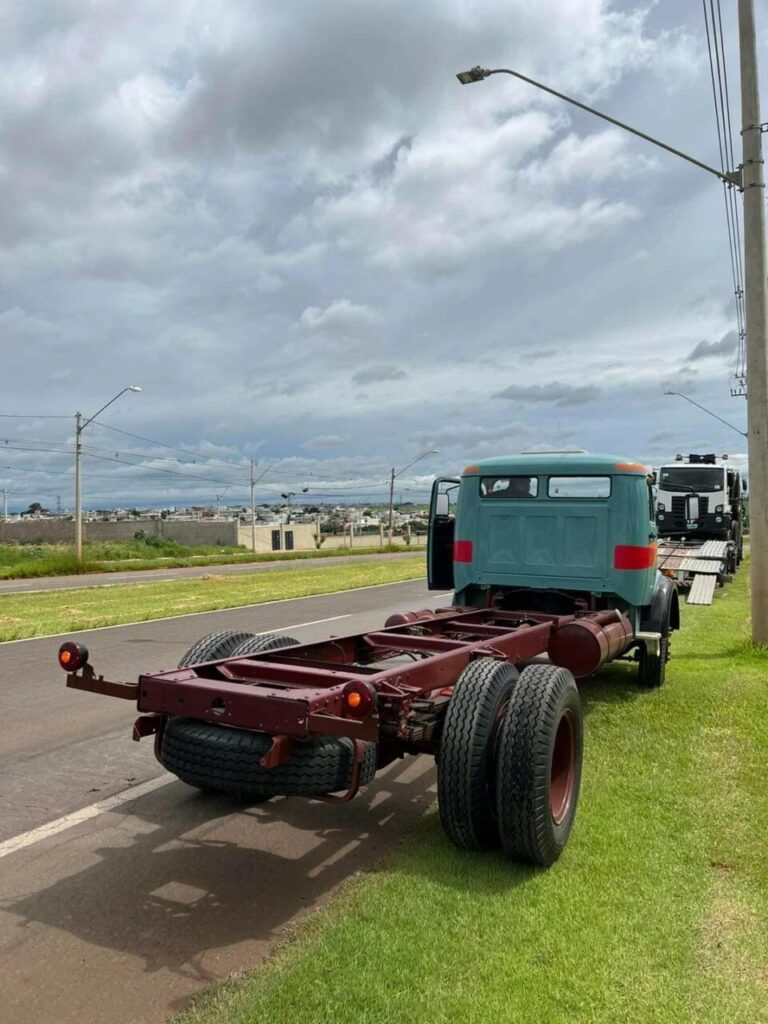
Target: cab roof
[(538, 463)]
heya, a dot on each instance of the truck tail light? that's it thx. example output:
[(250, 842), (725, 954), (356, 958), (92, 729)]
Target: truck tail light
[(359, 699), (462, 551), (73, 656), (634, 556)]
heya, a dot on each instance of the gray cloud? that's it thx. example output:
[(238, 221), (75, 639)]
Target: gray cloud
[(220, 210), (378, 374), (709, 349), (556, 393)]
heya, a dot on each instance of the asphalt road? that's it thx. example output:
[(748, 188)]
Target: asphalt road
[(112, 579), (120, 914)]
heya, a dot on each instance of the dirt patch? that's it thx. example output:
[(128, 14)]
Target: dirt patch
[(726, 937)]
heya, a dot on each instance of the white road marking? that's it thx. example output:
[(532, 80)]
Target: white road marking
[(52, 828), (215, 611)]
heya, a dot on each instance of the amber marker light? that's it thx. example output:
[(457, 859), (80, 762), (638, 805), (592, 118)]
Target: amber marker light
[(359, 698), (73, 656)]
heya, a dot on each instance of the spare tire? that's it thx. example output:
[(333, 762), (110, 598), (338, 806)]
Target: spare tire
[(226, 760)]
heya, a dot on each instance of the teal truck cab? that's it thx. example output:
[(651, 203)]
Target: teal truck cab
[(559, 533)]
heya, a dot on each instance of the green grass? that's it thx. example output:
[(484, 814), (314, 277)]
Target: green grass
[(656, 912), (24, 561), (69, 610)]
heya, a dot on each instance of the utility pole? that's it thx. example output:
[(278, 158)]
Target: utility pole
[(756, 304), (80, 426), (78, 489), (391, 506), (393, 475), (253, 512), (5, 504)]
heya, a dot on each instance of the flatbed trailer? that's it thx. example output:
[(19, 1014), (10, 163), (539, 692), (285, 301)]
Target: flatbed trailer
[(698, 567)]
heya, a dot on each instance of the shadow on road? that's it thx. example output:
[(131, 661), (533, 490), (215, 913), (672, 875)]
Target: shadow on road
[(188, 874)]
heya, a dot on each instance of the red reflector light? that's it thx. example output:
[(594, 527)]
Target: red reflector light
[(462, 551), (631, 556), (359, 699), (73, 656)]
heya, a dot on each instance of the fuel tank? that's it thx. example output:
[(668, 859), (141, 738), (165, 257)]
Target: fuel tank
[(583, 645)]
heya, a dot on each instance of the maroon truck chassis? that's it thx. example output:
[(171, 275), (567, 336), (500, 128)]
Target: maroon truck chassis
[(399, 688)]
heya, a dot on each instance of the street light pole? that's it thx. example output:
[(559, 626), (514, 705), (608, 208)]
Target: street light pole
[(253, 511), (749, 178), (80, 426), (707, 411), (756, 308), (393, 475)]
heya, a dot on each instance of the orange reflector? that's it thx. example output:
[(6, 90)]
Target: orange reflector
[(630, 467), (470, 469), (65, 657), (354, 699)]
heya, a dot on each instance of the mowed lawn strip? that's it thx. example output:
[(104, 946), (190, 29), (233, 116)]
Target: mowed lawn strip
[(656, 912), (28, 561), (58, 611)]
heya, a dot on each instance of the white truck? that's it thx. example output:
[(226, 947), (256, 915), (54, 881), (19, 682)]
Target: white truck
[(700, 498)]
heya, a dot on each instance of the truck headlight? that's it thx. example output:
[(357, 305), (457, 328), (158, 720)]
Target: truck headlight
[(718, 508), (662, 507), (718, 519), (661, 515)]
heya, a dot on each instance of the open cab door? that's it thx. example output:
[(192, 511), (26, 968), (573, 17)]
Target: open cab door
[(442, 518)]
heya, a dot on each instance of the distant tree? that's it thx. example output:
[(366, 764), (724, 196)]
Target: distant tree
[(35, 509)]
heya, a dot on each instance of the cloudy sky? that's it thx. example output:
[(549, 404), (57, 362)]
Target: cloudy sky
[(308, 244)]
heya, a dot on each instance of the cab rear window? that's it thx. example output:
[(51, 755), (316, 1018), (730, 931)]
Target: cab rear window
[(509, 486), (579, 487)]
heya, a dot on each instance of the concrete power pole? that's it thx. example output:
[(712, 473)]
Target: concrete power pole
[(756, 303), (78, 489), (391, 506), (253, 512), (5, 504)]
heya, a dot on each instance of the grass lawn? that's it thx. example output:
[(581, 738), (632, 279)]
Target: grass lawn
[(656, 912), (70, 610), (22, 561)]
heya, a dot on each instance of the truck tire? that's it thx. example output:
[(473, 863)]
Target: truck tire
[(538, 769), (465, 766), (215, 757), (652, 668), (265, 642), (214, 646)]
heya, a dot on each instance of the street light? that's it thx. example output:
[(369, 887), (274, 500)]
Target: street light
[(288, 495), (749, 178), (80, 426), (707, 411), (394, 474), (477, 74)]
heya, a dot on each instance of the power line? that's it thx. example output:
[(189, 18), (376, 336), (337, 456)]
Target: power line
[(713, 27), (31, 416)]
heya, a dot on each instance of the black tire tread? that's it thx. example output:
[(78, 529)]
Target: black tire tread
[(464, 771), (264, 642), (524, 765), (214, 646), (226, 760)]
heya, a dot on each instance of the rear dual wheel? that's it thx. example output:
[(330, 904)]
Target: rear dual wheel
[(233, 643), (510, 760)]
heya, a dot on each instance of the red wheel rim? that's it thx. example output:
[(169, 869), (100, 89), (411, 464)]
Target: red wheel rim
[(563, 769)]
